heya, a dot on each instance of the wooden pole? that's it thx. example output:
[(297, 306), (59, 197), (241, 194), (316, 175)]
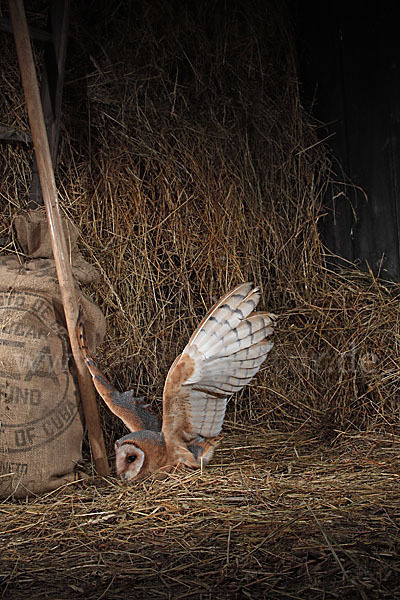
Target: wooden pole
[(60, 252)]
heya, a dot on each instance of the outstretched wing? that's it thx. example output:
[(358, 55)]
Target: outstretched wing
[(134, 412), (222, 356)]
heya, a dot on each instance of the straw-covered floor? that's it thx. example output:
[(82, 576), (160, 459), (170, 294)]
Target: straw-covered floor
[(274, 517), (189, 164)]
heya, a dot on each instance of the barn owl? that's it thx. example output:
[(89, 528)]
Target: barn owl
[(222, 356)]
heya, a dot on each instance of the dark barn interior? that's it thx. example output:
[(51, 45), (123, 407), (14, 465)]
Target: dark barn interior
[(348, 57), (195, 146)]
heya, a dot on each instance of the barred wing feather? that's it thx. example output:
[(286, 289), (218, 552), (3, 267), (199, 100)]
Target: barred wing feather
[(222, 356)]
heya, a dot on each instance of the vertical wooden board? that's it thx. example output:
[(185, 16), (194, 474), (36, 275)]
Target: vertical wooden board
[(352, 63), (319, 32), (368, 87), (52, 87)]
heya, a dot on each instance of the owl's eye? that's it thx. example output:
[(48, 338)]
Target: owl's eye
[(131, 459)]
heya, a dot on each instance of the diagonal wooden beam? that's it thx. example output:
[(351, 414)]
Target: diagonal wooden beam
[(61, 256)]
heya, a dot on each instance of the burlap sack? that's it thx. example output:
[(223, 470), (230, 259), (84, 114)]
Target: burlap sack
[(40, 415)]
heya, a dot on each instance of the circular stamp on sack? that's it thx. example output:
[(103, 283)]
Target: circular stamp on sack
[(37, 393)]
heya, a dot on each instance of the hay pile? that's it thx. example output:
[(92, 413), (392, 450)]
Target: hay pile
[(189, 164)]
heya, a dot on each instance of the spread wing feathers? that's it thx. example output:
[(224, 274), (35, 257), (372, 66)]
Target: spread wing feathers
[(222, 356), (134, 412)]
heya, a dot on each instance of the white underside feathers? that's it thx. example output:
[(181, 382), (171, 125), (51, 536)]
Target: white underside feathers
[(228, 349)]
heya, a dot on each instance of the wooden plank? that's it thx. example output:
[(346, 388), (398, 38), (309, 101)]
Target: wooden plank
[(318, 34), (350, 63), (52, 87), (369, 48)]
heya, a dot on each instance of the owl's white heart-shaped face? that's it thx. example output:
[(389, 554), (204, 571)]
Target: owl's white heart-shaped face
[(129, 460)]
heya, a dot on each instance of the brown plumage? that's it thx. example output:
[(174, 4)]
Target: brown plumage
[(222, 356)]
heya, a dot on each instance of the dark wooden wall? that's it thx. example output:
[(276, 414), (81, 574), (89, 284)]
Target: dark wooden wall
[(349, 60)]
